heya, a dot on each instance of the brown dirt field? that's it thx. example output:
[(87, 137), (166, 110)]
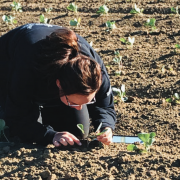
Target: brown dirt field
[(145, 82)]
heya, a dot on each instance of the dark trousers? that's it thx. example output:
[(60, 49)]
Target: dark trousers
[(65, 118)]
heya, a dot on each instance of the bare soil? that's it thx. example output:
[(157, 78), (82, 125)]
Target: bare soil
[(145, 82)]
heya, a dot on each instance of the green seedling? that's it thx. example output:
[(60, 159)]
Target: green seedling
[(16, 6), (136, 10), (131, 41), (103, 10), (42, 19), (177, 47), (120, 92), (9, 19), (72, 7), (81, 127), (150, 23), (75, 22), (174, 99), (110, 25), (175, 10), (48, 10), (147, 139), (124, 41), (118, 60), (2, 128)]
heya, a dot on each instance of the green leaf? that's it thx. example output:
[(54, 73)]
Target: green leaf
[(123, 40), (2, 125), (131, 147), (81, 127), (152, 135), (103, 10), (144, 137), (98, 134), (73, 22), (169, 100), (72, 7), (177, 46), (133, 11), (151, 140)]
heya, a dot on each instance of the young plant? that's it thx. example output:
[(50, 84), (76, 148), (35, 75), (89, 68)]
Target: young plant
[(43, 19), (118, 60), (150, 23), (174, 99), (75, 22), (16, 6), (9, 20), (175, 10), (147, 139), (110, 25), (131, 41), (48, 10), (103, 10), (2, 128), (136, 10), (72, 7), (120, 92), (97, 133), (124, 41)]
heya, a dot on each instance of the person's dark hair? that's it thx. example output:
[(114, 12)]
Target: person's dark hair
[(60, 59)]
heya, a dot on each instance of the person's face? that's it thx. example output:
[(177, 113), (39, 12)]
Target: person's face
[(76, 99)]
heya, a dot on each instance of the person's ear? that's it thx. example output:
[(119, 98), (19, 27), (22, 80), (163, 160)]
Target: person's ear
[(58, 84)]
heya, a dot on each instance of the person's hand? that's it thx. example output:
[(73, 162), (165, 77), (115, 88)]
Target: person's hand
[(65, 138), (106, 138)]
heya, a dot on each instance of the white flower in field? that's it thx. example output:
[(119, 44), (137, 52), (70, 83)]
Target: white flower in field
[(148, 21), (123, 88), (136, 8), (131, 40)]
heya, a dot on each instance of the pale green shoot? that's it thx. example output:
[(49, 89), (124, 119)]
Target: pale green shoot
[(9, 19), (110, 25), (147, 139), (151, 23), (72, 7), (131, 40), (75, 22), (2, 127), (81, 127), (174, 99), (124, 41), (43, 19), (118, 60), (120, 92), (136, 10), (16, 6), (103, 10), (177, 46), (48, 10), (175, 10)]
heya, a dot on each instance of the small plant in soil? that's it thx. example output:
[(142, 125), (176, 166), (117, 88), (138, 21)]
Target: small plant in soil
[(72, 7), (124, 41), (175, 10), (120, 92), (147, 139), (150, 23), (103, 10), (48, 10), (42, 19), (177, 48), (9, 20), (118, 60), (110, 25), (2, 128), (75, 22), (136, 10), (16, 6), (131, 41), (175, 99)]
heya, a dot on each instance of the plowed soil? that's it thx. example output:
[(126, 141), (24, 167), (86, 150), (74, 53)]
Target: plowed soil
[(145, 82)]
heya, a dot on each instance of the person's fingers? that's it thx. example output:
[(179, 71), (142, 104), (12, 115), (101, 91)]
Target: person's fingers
[(69, 141), (63, 142), (57, 144), (75, 139)]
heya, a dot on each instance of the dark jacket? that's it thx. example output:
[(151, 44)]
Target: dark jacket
[(22, 91)]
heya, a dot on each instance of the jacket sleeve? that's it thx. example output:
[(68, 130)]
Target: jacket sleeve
[(21, 113), (103, 110)]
